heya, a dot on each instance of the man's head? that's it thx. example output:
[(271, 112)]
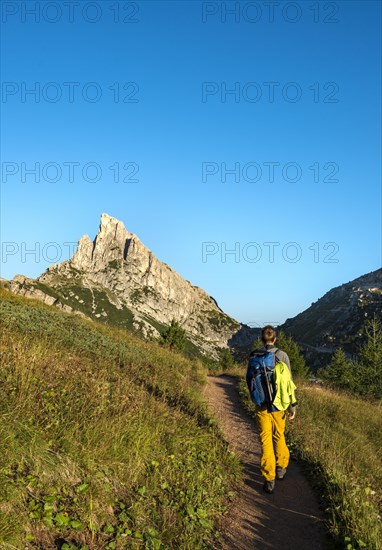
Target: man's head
[(268, 335)]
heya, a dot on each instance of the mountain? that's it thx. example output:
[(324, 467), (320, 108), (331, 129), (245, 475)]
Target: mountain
[(115, 278), (337, 318)]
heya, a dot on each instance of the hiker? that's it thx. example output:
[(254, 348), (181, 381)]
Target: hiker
[(276, 388)]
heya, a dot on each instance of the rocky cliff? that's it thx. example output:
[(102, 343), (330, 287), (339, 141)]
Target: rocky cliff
[(117, 279), (337, 318)]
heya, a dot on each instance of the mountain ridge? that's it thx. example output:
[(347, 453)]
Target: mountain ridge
[(115, 276), (116, 279), (337, 318)]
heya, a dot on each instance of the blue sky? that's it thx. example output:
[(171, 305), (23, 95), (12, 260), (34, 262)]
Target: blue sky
[(150, 97)]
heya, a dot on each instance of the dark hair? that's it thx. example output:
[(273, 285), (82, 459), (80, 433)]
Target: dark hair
[(268, 334)]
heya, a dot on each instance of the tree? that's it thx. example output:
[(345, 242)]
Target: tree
[(257, 344), (174, 336), (297, 361), (340, 372), (363, 375), (370, 359), (226, 359)]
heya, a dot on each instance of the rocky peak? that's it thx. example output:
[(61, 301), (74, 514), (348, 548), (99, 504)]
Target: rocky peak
[(111, 243), (115, 275)]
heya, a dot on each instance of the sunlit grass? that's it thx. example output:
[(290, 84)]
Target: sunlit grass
[(105, 441)]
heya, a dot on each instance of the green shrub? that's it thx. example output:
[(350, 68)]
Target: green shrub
[(174, 337), (363, 374)]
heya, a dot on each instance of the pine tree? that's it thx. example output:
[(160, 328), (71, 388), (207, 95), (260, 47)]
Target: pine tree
[(340, 372), (174, 337), (257, 344), (369, 364), (297, 361), (362, 376), (226, 359)]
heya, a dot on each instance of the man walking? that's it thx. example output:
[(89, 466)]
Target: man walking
[(271, 420)]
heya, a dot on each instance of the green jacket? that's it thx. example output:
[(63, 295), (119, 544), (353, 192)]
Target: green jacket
[(285, 387)]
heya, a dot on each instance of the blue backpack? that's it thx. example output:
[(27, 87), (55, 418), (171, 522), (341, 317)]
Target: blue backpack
[(260, 379)]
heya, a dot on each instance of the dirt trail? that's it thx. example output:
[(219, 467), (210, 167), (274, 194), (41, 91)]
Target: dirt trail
[(290, 518)]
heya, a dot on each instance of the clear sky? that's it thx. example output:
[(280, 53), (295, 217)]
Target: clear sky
[(207, 128)]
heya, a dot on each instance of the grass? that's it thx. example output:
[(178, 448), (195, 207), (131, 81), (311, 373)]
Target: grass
[(104, 439), (119, 317), (338, 438), (80, 298), (105, 442)]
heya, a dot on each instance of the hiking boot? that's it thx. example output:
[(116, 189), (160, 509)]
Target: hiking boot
[(280, 472), (269, 486)]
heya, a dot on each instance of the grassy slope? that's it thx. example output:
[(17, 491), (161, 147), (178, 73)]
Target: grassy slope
[(104, 441), (339, 438), (81, 299)]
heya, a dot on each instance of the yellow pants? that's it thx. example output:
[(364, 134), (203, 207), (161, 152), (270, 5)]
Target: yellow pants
[(273, 446)]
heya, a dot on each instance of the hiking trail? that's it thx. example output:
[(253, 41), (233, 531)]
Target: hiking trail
[(290, 518)]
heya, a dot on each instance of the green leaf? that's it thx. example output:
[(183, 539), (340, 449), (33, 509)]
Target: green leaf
[(48, 521), (142, 490), (190, 510), (123, 517), (205, 523), (82, 488), (152, 532), (108, 529), (107, 487), (62, 519), (76, 524)]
